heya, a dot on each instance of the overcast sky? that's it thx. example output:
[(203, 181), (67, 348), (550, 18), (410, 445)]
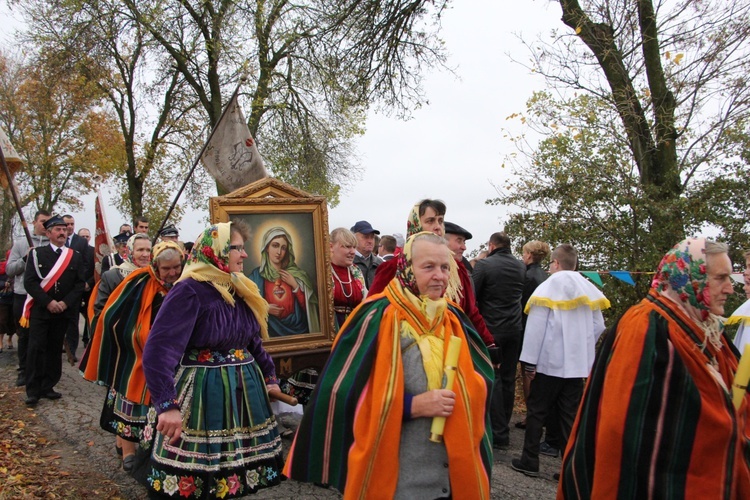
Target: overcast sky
[(451, 149)]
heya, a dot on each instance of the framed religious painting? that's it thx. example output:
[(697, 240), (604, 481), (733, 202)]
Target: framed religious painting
[(288, 258)]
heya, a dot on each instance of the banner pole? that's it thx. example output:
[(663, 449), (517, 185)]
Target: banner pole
[(195, 163), (14, 193)]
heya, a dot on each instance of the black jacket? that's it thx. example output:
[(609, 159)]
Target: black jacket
[(69, 286), (499, 280)]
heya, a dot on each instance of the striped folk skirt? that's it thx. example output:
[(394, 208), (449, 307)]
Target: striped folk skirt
[(123, 417), (230, 444)]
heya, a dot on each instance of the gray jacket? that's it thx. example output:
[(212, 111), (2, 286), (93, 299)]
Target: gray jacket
[(17, 260)]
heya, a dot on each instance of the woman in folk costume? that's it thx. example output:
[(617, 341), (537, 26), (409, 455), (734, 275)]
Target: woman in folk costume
[(656, 419), (138, 256), (742, 315), (348, 282), (208, 375), (115, 354), (293, 304), (366, 430)]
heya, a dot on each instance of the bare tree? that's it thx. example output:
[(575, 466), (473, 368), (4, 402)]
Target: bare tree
[(315, 67), (102, 42), (676, 74)]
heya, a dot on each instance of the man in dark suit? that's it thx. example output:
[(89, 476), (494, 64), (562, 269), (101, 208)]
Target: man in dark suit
[(54, 279), (498, 282), (80, 245), (121, 248)]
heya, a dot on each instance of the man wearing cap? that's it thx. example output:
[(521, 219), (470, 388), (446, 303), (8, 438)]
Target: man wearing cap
[(169, 233), (121, 252), (365, 260), (456, 237), (54, 279)]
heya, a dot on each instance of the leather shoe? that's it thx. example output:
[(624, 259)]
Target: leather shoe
[(31, 401), (52, 395), (518, 465), (21, 380)]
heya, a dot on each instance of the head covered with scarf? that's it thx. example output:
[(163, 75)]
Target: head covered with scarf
[(405, 273), (267, 271), (209, 262), (683, 278), (127, 265), (350, 434), (414, 222), (156, 252)]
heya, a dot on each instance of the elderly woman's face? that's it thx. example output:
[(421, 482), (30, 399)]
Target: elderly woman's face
[(236, 256), (718, 272), (141, 252), (342, 254), (277, 249), (431, 265)]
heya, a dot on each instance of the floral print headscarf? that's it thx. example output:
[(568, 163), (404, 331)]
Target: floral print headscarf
[(413, 224), (212, 247), (681, 275), (209, 262)]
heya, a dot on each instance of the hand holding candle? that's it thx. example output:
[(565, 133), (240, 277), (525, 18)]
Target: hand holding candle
[(449, 371)]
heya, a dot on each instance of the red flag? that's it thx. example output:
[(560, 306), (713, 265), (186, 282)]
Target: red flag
[(102, 240)]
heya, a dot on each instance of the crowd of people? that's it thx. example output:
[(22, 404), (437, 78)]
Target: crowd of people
[(419, 388)]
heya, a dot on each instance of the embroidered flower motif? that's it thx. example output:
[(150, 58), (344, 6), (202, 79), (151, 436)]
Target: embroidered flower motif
[(147, 433), (234, 484), (156, 485), (270, 474), (186, 486), (171, 485), (205, 355), (252, 477), (221, 488)]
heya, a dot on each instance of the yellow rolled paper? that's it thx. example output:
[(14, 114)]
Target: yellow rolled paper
[(449, 372), (741, 378)]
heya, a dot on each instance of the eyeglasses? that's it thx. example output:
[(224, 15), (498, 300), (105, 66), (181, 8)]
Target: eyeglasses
[(239, 248)]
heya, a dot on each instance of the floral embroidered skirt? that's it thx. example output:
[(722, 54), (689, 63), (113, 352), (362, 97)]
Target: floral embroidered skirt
[(230, 444), (123, 417)]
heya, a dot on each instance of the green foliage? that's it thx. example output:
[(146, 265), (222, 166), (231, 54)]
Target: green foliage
[(580, 186)]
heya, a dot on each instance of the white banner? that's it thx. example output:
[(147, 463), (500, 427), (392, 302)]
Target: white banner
[(232, 157)]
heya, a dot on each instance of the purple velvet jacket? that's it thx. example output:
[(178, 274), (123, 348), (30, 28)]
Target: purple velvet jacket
[(195, 316)]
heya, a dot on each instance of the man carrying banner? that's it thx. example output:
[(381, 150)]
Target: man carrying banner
[(54, 279)]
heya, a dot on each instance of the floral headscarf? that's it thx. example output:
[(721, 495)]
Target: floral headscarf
[(413, 224), (209, 262), (681, 276)]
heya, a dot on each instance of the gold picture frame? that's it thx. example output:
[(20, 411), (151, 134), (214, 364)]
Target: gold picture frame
[(295, 224)]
